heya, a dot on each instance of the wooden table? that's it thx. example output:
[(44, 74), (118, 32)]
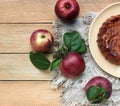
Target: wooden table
[(18, 19)]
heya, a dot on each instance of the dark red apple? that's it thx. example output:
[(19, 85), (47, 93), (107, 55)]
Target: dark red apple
[(41, 40), (72, 65), (100, 88), (67, 10)]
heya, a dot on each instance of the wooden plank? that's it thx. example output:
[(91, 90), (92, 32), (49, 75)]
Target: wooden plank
[(13, 11), (94, 5), (15, 38), (28, 93), (25, 11), (19, 67)]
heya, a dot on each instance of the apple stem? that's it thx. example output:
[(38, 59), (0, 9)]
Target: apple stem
[(43, 36), (67, 6)]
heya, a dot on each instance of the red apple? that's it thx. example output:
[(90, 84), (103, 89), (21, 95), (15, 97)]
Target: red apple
[(67, 10), (41, 40), (72, 65), (103, 85)]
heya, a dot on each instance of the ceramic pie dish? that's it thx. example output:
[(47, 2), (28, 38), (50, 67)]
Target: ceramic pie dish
[(106, 60)]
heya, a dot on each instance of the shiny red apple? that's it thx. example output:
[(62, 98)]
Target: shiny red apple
[(72, 65), (100, 88), (99, 81), (41, 40), (67, 10)]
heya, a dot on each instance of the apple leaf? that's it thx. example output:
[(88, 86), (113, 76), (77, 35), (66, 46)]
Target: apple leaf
[(92, 93), (39, 60), (82, 48), (96, 94), (74, 42), (55, 64)]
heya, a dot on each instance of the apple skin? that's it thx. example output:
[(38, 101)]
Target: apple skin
[(72, 65), (67, 10), (100, 81), (41, 40)]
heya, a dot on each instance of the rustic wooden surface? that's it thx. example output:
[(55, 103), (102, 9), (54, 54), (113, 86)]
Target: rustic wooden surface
[(28, 93), (18, 19)]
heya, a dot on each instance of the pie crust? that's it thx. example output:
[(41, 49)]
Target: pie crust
[(109, 39)]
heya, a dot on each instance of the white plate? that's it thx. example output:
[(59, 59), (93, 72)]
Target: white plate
[(111, 10)]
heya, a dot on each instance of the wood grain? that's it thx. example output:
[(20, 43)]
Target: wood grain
[(28, 93), (25, 11), (19, 67), (30, 11), (94, 5), (15, 38)]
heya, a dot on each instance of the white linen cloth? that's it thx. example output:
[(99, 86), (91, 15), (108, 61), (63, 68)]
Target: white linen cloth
[(72, 90)]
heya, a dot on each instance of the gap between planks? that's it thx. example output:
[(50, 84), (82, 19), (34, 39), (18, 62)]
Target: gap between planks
[(17, 11)]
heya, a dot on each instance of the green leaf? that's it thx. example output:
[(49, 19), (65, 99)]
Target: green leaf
[(92, 93), (39, 60), (55, 64), (104, 93), (72, 40), (82, 48), (96, 94)]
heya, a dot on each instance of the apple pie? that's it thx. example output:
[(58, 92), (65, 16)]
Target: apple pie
[(109, 39)]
